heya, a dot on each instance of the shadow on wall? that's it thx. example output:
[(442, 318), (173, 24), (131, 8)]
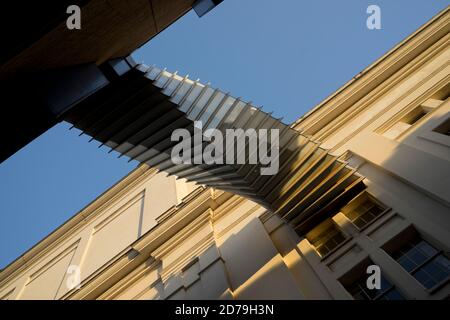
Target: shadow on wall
[(246, 265)]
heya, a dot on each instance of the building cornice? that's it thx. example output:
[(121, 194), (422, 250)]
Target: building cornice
[(359, 107), (161, 236), (71, 226), (368, 81)]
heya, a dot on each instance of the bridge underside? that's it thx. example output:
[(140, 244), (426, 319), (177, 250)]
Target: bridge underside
[(137, 114)]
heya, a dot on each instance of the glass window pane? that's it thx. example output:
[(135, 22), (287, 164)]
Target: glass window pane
[(191, 97), (201, 103), (392, 294), (360, 296), (424, 278), (417, 256), (172, 85), (372, 293), (406, 263), (187, 84), (323, 250), (443, 263), (240, 106), (426, 248), (358, 289), (153, 73), (329, 240), (434, 272), (212, 106), (363, 212), (385, 284), (164, 77)]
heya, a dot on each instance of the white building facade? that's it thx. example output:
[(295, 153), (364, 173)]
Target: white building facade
[(155, 237)]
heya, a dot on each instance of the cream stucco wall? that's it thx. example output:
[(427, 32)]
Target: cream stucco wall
[(154, 237), (98, 234)]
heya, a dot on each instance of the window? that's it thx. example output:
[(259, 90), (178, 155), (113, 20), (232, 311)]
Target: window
[(443, 93), (409, 120), (396, 127), (326, 237), (423, 261), (363, 210), (357, 286), (443, 128), (415, 115)]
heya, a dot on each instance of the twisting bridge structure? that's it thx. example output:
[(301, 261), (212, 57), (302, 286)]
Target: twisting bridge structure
[(82, 77), (137, 114)]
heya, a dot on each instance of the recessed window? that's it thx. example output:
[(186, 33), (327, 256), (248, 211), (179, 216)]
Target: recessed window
[(443, 128), (363, 210), (429, 265), (326, 237), (356, 284), (443, 93), (408, 120), (414, 116), (399, 125)]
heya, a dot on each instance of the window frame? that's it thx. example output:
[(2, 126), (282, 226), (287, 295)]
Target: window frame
[(428, 260), (356, 281), (412, 233), (346, 237), (363, 194), (440, 128)]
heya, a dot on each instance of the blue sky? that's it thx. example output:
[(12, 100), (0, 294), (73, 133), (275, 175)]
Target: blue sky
[(285, 55)]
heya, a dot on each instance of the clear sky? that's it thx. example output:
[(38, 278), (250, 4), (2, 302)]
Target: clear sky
[(285, 55)]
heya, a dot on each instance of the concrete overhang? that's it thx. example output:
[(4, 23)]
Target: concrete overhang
[(46, 68), (36, 38)]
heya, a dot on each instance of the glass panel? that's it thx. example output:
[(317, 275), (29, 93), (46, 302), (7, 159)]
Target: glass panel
[(371, 293), (385, 284), (360, 291), (363, 213), (323, 250), (201, 103), (392, 294), (360, 295), (191, 98), (443, 263), (153, 73), (416, 256), (187, 84), (221, 113), (235, 113), (434, 272), (426, 248), (414, 253), (173, 84), (256, 119), (162, 79), (406, 263), (244, 117), (213, 105), (424, 278), (328, 241)]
